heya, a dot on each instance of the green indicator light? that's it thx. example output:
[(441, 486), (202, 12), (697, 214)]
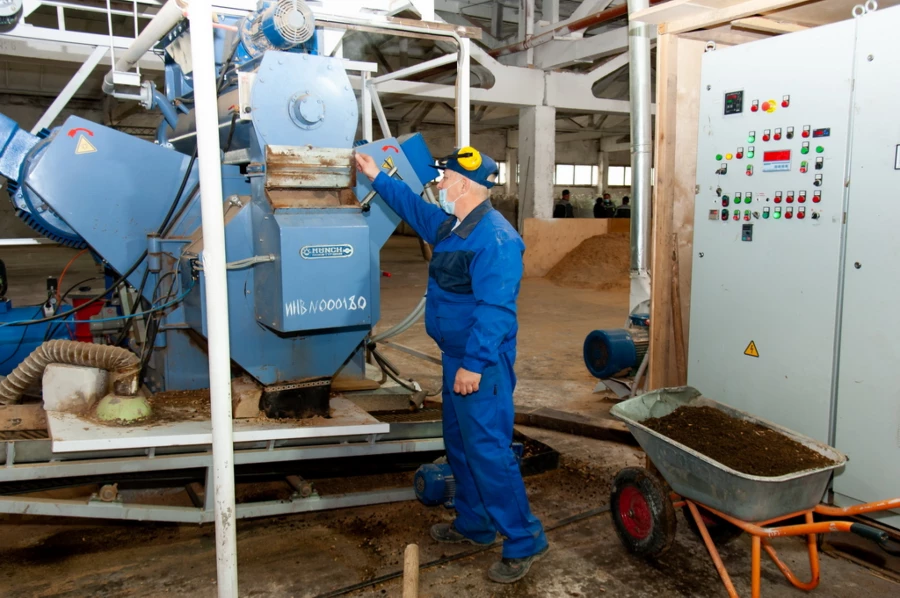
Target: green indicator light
[(751, 138), (718, 157), (751, 154), (820, 149), (777, 215), (748, 199), (765, 215), (804, 150)]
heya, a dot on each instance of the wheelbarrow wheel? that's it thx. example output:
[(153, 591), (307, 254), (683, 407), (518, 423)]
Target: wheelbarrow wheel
[(720, 531), (642, 513)]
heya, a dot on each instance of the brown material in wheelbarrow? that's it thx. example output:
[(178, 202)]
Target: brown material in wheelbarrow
[(741, 445)]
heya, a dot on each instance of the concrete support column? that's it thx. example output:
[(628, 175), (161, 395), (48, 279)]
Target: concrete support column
[(603, 170), (512, 160), (537, 160)]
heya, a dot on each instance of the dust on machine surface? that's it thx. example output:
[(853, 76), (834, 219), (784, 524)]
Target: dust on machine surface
[(302, 235)]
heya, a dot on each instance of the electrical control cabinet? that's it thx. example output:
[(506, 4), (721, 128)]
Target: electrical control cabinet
[(792, 303)]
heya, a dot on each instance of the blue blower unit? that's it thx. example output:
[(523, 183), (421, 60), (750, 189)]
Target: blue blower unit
[(435, 484), (608, 352)]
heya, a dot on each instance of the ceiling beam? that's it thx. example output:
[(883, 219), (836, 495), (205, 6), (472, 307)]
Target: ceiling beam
[(765, 25), (562, 53), (710, 18), (455, 19), (479, 10)]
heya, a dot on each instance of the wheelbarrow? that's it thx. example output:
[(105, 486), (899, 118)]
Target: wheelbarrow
[(720, 503)]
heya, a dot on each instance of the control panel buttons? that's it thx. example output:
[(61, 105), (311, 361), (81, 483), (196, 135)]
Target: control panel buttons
[(725, 201), (751, 151), (790, 132), (751, 137), (748, 198), (819, 149), (804, 166), (777, 213), (816, 216), (777, 135), (718, 157), (802, 197), (820, 163), (754, 106), (818, 181), (756, 215), (723, 168), (728, 156), (737, 215), (789, 213), (801, 212), (806, 131), (778, 197), (724, 215), (740, 153), (817, 196), (769, 106), (747, 215), (804, 149), (785, 101), (767, 134), (765, 213), (749, 170)]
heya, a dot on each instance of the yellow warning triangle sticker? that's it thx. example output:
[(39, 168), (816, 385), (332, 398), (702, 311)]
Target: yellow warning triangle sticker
[(388, 163), (751, 350), (84, 146)]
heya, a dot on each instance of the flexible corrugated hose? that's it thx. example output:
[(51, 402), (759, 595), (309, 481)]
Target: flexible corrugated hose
[(123, 365)]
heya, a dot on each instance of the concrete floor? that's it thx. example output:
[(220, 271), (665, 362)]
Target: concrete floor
[(313, 554)]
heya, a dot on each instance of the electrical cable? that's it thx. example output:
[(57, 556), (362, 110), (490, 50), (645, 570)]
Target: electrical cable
[(66, 269), (51, 331), (22, 338), (143, 313), (449, 559)]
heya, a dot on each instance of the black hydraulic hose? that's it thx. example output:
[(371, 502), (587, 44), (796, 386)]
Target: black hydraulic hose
[(449, 559)]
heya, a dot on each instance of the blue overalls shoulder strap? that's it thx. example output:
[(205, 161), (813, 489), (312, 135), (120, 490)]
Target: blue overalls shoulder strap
[(468, 224)]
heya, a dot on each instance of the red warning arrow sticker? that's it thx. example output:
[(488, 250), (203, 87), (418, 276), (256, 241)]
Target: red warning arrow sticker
[(73, 132), (390, 147)]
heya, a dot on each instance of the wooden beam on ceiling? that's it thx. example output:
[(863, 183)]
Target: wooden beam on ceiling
[(764, 25), (718, 16)]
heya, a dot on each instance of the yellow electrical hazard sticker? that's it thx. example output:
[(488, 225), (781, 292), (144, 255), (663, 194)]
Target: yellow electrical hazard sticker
[(751, 350), (84, 146), (388, 163)]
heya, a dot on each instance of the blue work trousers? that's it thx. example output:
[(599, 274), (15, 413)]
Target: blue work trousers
[(490, 494)]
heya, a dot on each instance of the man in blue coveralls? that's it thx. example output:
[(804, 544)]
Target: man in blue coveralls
[(470, 311)]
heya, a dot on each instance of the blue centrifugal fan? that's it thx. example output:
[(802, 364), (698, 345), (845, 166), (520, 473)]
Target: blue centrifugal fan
[(303, 253), (608, 352), (435, 485)]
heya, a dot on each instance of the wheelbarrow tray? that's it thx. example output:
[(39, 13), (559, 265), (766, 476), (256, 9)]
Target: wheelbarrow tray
[(697, 477)]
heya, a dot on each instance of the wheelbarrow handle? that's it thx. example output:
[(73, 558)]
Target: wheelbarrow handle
[(881, 538)]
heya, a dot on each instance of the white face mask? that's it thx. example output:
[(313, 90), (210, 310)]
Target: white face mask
[(447, 205)]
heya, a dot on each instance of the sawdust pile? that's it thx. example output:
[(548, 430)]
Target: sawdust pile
[(601, 263)]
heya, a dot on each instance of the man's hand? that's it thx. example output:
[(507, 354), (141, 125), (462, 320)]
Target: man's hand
[(466, 382), (366, 165)]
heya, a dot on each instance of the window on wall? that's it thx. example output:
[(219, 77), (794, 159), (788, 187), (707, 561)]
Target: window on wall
[(619, 176), (501, 178), (576, 174)]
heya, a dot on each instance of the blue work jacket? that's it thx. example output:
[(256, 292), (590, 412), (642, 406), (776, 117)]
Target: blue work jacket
[(473, 279)]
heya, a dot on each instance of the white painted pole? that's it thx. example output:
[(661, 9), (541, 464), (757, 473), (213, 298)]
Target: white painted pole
[(463, 92), (70, 89), (213, 259), (365, 105)]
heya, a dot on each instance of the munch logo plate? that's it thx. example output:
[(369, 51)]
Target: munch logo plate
[(318, 252)]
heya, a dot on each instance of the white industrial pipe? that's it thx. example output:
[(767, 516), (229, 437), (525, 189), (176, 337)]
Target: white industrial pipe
[(213, 259), (641, 153), (163, 22)]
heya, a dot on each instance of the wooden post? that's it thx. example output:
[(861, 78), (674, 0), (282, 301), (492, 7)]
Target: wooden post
[(677, 118), (411, 572)]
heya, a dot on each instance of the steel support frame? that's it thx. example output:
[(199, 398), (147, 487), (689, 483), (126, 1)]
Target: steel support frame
[(70, 89), (199, 457)]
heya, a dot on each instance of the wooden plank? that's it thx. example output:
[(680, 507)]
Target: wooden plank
[(22, 417), (767, 25), (577, 425), (411, 571), (678, 92), (725, 15)]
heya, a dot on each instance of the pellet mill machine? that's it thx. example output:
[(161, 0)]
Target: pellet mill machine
[(303, 250), (303, 236)]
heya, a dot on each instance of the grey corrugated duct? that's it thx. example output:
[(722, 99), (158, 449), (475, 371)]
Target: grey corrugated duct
[(124, 366)]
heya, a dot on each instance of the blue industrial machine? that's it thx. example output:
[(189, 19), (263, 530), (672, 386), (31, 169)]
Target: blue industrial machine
[(303, 253), (608, 352)]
